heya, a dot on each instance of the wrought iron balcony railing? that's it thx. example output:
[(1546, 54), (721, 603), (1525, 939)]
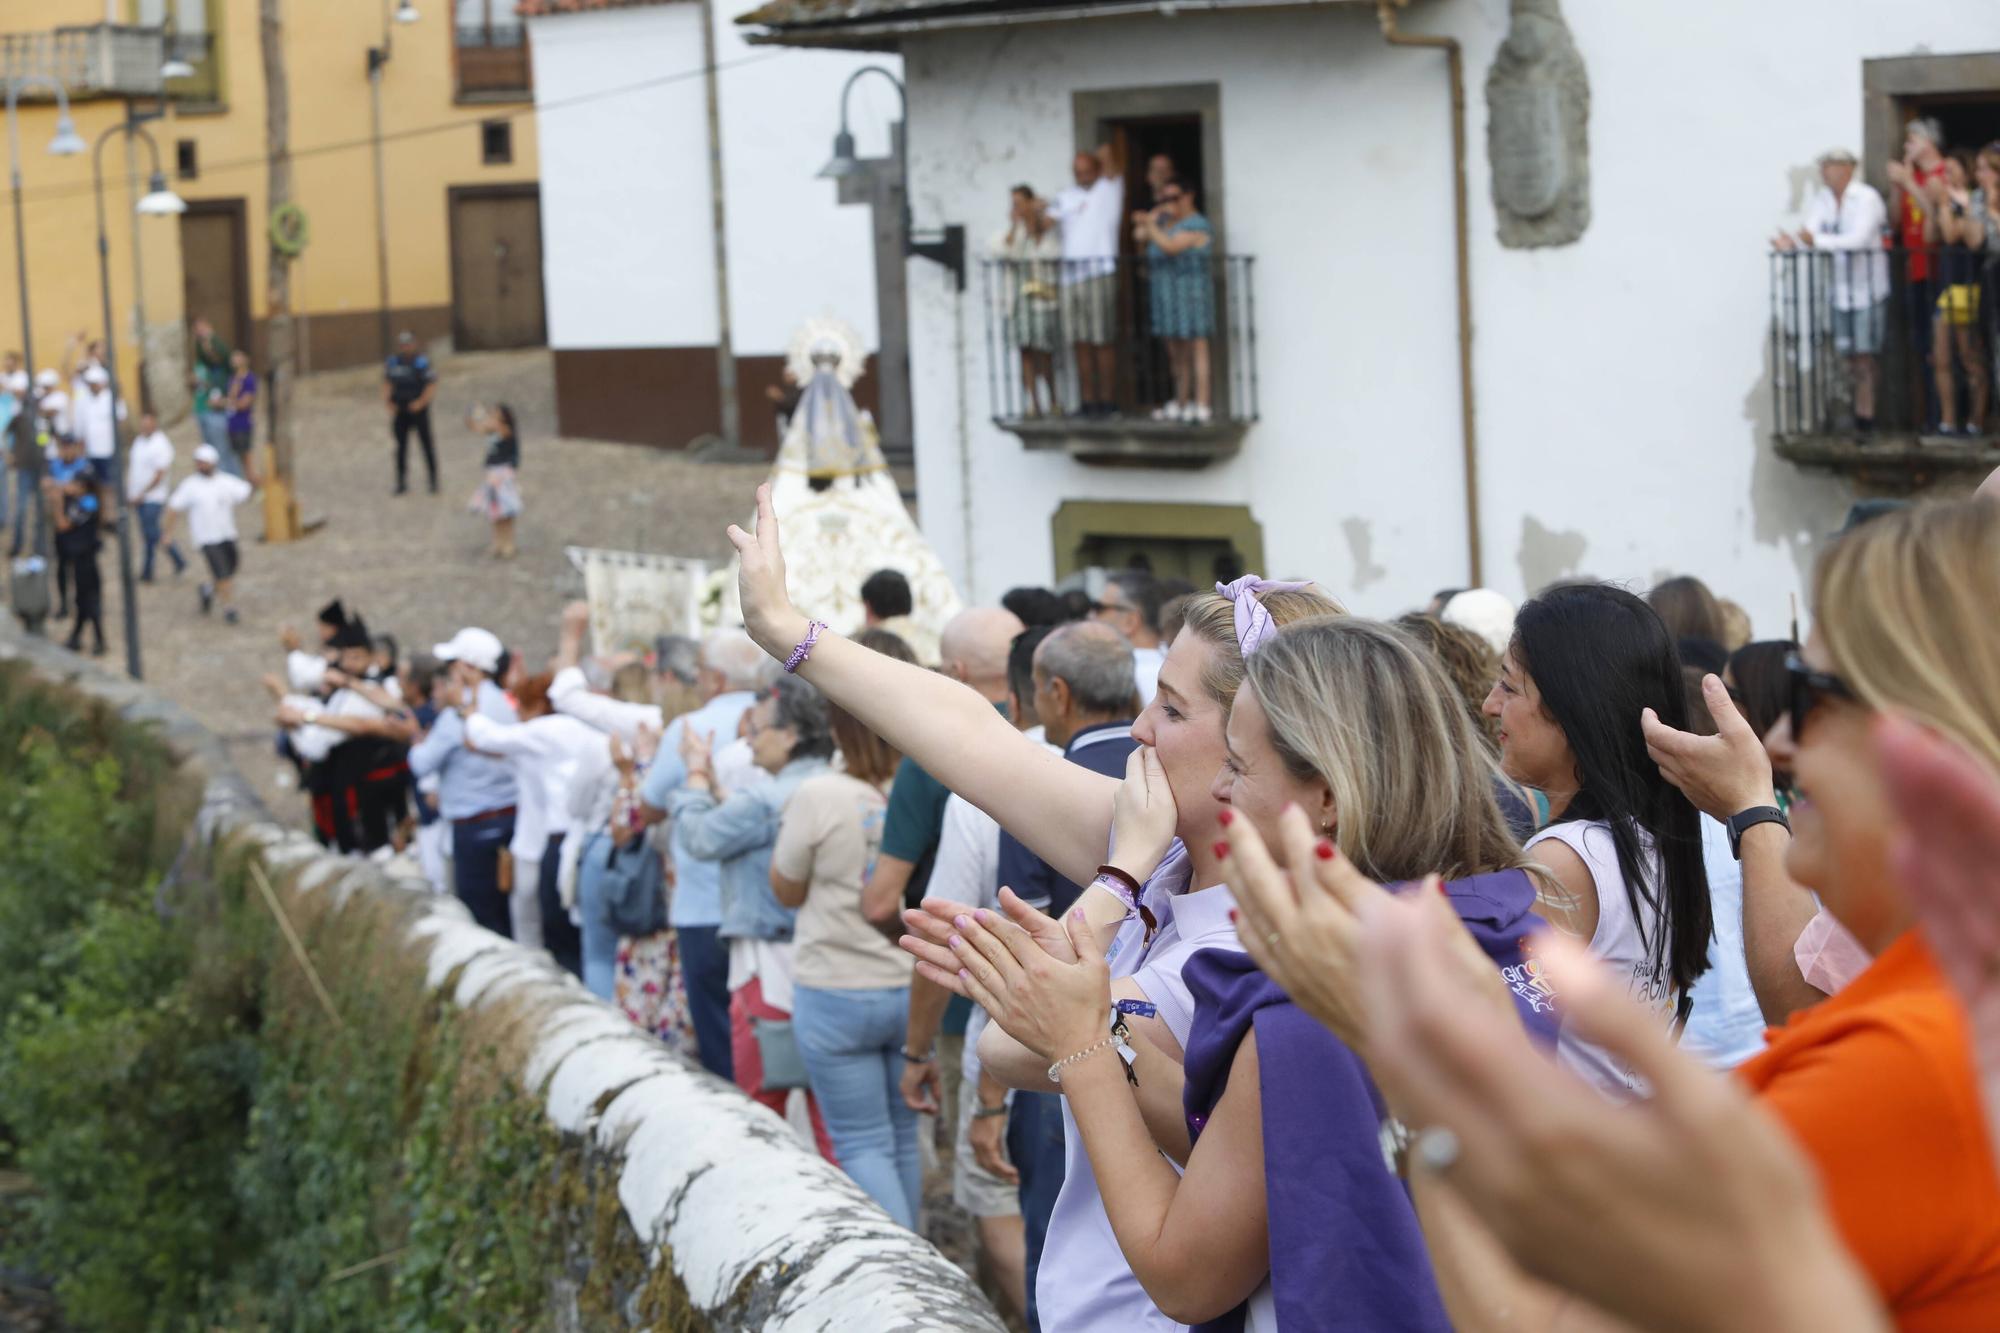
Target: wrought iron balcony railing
[(492, 61)]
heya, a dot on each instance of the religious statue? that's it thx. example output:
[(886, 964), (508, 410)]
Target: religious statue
[(1537, 129)]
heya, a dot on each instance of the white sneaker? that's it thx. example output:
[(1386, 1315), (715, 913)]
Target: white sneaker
[(1198, 414), (1166, 412)]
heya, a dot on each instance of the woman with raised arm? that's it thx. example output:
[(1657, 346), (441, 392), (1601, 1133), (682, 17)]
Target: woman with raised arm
[(1157, 890), (1346, 740)]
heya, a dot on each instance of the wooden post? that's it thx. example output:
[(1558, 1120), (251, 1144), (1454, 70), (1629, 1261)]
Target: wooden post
[(281, 509)]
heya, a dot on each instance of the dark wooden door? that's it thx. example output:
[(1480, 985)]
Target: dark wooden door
[(215, 270), (496, 268)]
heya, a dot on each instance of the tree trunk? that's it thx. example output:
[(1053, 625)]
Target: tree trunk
[(281, 513)]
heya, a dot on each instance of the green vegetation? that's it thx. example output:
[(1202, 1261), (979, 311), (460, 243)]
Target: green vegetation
[(210, 1147)]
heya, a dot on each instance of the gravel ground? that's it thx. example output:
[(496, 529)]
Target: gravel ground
[(414, 565)]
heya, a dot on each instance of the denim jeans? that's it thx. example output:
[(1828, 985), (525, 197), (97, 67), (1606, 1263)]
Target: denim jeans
[(600, 937), (705, 978), (1035, 1147), (852, 1045), (559, 934), (475, 854), (149, 527)]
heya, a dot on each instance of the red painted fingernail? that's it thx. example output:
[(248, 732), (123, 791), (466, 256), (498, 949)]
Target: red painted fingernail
[(1441, 888), (1221, 850), (1226, 815), (1232, 916), (1323, 850)]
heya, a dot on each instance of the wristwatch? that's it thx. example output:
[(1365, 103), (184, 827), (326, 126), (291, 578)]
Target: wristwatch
[(1742, 822)]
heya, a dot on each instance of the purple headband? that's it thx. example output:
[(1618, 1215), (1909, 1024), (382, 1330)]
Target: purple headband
[(1253, 622)]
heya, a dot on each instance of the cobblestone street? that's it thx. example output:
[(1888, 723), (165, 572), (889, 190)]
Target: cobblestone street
[(414, 565)]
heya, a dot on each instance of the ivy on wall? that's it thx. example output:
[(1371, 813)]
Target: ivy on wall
[(209, 1148)]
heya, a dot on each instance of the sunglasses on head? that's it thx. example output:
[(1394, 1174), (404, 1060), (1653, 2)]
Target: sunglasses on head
[(1808, 689)]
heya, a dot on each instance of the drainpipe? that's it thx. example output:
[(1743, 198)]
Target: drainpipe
[(725, 342), (1385, 11)]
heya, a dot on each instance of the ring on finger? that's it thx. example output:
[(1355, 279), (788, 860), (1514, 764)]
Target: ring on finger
[(1435, 1149), (1272, 937)]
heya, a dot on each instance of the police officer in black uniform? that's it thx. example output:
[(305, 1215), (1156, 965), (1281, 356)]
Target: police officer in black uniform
[(409, 382)]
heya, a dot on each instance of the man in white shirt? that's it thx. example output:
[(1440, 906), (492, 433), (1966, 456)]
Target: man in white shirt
[(1846, 219), (146, 468), (1091, 213), (209, 499), (95, 423)]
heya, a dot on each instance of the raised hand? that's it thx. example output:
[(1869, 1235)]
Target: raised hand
[(697, 752), (1949, 863), (760, 582), (1724, 774), (931, 930), (1143, 815), (1053, 1008)]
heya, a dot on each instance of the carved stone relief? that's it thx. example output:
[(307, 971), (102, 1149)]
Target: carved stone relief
[(1537, 129)]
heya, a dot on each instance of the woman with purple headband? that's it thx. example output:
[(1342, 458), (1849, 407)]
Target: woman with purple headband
[(1155, 894)]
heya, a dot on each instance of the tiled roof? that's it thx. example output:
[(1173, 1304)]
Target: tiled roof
[(832, 13), (541, 8)]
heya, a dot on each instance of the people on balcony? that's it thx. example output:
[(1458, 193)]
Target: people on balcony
[(1956, 347), (1179, 245), (1031, 247), (1846, 218), (1921, 164), (1090, 213), (1986, 215)]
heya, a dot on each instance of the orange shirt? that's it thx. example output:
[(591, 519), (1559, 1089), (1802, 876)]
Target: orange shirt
[(1877, 1084)]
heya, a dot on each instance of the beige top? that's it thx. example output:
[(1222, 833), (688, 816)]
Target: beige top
[(830, 836)]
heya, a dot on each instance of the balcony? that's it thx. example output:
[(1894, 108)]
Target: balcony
[(203, 88), (100, 60), (492, 62), (1844, 322), (1128, 361)]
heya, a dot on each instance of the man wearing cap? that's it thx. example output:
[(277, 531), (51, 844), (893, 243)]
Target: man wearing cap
[(1845, 219), (408, 384), (209, 499), (94, 421), (476, 792)]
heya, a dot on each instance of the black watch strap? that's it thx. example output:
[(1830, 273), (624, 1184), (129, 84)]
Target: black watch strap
[(1743, 821)]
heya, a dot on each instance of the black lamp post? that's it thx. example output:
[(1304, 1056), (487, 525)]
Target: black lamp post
[(158, 201), (947, 247)]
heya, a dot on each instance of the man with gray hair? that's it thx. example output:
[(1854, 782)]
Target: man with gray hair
[(1844, 221)]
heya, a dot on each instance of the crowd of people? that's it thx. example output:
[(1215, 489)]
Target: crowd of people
[(1069, 285), (1587, 963), (1942, 232)]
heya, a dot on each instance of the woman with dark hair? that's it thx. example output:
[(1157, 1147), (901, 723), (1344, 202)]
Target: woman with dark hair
[(1623, 843), (1689, 608), (499, 496), (851, 1000)]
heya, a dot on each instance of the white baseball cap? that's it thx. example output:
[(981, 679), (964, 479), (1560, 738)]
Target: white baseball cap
[(205, 453), (96, 375), (48, 379), (475, 647), (1485, 612)]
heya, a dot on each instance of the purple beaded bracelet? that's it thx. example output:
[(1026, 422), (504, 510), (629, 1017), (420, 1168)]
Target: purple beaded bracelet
[(804, 650)]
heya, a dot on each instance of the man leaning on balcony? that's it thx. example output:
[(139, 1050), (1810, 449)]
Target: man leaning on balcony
[(1092, 215), (1845, 220)]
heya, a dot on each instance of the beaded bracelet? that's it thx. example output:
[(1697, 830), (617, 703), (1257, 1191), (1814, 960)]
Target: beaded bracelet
[(804, 650), (1106, 1043)]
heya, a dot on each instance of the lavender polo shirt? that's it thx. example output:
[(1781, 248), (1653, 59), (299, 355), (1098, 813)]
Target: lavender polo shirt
[(1084, 1281)]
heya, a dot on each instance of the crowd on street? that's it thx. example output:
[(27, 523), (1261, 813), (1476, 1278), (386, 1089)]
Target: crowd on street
[(1590, 962)]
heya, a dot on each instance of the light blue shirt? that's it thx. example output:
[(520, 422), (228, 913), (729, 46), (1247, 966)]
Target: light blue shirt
[(697, 883), (468, 783)]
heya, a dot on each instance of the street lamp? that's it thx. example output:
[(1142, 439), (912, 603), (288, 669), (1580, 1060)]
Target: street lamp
[(66, 143), (406, 12), (378, 57), (948, 248), (158, 201)]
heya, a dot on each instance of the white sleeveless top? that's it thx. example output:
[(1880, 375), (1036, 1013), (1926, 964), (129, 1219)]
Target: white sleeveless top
[(1619, 945)]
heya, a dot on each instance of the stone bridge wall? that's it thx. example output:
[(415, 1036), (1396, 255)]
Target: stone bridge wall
[(739, 1225)]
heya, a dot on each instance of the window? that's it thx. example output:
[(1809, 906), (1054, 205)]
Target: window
[(186, 162), (490, 51), (191, 40), (496, 142)]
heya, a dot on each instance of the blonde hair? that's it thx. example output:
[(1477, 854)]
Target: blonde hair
[(1360, 706), (1211, 617), (1905, 606)]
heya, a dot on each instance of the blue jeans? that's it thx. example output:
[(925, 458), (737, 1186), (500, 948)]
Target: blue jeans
[(215, 434), (475, 858), (1035, 1147), (600, 937), (705, 978), (852, 1045), (149, 528)]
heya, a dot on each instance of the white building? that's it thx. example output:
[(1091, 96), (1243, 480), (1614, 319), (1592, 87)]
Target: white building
[(1623, 381), (628, 213)]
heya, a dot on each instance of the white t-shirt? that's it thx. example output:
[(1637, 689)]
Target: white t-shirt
[(210, 505), (54, 409), (1726, 1026), (1090, 226), (151, 455), (92, 415)]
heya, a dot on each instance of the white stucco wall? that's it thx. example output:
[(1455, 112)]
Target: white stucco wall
[(626, 219), (1622, 390), (625, 202)]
